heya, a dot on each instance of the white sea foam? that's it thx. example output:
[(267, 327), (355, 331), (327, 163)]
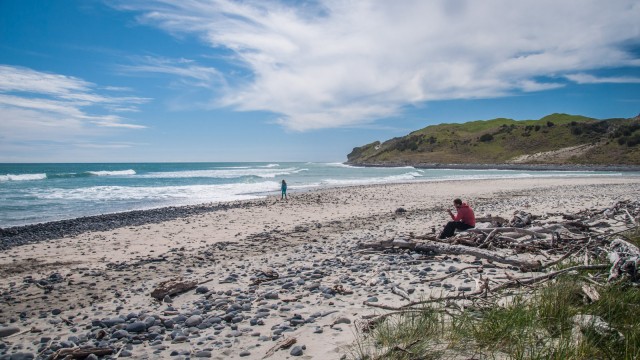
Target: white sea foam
[(191, 194), (22, 177), (270, 166), (228, 173), (112, 173), (343, 165), (374, 180)]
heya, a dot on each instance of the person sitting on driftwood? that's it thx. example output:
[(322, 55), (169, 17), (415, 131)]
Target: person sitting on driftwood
[(463, 220)]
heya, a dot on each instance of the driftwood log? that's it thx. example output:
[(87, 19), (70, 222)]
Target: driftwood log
[(440, 248), (172, 287)]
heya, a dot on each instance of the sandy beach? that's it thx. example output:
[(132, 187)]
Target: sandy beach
[(93, 289)]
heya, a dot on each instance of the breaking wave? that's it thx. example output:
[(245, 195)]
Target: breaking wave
[(22, 177)]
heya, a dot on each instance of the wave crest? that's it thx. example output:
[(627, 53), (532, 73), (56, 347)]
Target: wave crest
[(112, 173), (22, 177)]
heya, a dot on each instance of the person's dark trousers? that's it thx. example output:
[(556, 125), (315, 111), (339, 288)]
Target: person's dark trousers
[(451, 227)]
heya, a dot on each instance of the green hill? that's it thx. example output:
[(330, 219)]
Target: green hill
[(558, 139)]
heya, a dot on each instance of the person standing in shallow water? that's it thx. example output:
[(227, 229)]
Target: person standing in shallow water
[(283, 187), (463, 220)]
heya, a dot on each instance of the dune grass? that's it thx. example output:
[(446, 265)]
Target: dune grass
[(530, 324)]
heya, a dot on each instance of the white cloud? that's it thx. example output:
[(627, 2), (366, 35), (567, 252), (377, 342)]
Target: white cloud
[(42, 106), (590, 79), (338, 63), (193, 74)]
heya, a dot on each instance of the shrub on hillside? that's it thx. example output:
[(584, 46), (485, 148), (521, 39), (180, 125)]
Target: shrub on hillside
[(486, 137)]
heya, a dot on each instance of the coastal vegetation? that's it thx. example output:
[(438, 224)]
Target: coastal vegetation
[(537, 323), (557, 139), (575, 315)]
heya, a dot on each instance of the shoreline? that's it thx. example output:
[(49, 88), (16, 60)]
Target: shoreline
[(521, 167), (51, 230), (31, 233)]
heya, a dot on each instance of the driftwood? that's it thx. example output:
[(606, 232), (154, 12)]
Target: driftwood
[(283, 344), (625, 259), (172, 287), (440, 248), (485, 290), (81, 353), (584, 236)]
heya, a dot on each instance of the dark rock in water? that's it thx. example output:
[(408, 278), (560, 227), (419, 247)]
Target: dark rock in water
[(56, 311), (8, 330)]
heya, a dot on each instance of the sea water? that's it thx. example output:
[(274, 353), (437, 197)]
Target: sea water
[(35, 193)]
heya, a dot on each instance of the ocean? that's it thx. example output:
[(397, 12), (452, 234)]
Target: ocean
[(36, 193)]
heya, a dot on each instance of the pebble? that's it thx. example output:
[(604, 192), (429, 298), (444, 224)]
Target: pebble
[(8, 330), (296, 351), (137, 327), (194, 320)]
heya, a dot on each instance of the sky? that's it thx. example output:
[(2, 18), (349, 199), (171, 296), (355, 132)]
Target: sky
[(269, 80)]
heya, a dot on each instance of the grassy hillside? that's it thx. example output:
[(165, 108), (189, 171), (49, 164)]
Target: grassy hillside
[(554, 139)]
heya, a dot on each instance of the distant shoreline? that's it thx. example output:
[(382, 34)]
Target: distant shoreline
[(531, 167)]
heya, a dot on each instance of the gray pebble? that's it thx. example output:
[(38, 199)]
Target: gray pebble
[(137, 327), (342, 321), (296, 351), (194, 320), (8, 330), (19, 356)]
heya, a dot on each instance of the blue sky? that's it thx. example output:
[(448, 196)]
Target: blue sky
[(221, 80)]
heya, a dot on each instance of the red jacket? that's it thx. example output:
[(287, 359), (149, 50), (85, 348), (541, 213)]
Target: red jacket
[(466, 215)]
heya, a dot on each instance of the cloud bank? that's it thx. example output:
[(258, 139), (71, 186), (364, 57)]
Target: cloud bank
[(41, 106), (335, 63)]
